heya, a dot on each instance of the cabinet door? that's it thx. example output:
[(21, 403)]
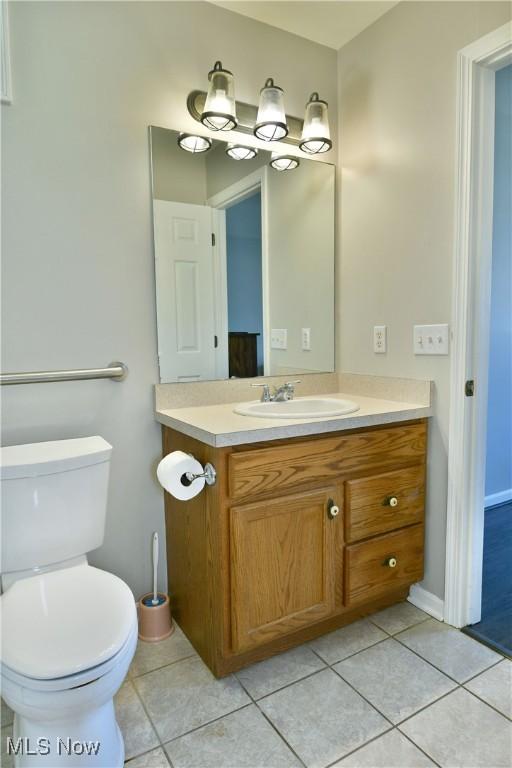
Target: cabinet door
[(282, 565)]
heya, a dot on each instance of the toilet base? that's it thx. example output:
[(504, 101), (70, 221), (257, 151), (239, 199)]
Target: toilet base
[(94, 739)]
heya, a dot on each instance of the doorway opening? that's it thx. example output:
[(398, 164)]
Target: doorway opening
[(479, 67), (245, 287), (495, 625)]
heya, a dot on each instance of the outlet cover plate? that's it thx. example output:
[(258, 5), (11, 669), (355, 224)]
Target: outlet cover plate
[(380, 339), (431, 339), (279, 338)]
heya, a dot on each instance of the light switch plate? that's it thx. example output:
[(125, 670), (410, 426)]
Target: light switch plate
[(380, 339), (306, 339), (279, 338), (431, 339)]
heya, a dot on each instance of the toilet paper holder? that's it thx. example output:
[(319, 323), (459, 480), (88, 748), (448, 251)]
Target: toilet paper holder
[(209, 473)]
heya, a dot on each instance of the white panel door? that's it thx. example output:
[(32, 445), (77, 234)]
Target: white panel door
[(185, 287)]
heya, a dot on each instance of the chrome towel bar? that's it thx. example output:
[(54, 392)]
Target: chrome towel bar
[(116, 371)]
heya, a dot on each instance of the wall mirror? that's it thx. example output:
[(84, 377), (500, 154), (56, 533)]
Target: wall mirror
[(244, 262)]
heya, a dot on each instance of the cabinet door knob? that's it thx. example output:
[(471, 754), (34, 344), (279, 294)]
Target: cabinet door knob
[(391, 562), (332, 509), (392, 501)]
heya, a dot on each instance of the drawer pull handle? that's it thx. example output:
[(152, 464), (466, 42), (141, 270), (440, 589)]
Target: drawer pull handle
[(332, 509), (392, 501), (391, 562)]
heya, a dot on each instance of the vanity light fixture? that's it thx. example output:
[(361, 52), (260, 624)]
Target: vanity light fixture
[(195, 144), (316, 136), (239, 152), (271, 119), (219, 112), (284, 162)]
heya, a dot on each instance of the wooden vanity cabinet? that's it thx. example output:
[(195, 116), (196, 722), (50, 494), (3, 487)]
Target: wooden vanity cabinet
[(296, 538)]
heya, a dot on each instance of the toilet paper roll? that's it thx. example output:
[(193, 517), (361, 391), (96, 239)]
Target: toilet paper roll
[(171, 473)]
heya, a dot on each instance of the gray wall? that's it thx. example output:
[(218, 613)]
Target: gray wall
[(499, 410), (397, 86), (78, 279)]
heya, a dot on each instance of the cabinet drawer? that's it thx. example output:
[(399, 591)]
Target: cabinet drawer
[(368, 565), (384, 502), (324, 460)]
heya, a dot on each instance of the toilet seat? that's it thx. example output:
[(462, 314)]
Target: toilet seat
[(65, 628), (79, 679)]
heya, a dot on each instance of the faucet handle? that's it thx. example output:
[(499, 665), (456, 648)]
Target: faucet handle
[(292, 383), (265, 395)]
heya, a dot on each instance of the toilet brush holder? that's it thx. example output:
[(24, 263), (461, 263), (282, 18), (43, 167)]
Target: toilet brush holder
[(155, 621)]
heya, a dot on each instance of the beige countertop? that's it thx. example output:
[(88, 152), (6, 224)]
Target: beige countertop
[(219, 426)]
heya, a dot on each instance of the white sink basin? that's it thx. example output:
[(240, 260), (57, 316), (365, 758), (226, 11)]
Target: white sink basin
[(301, 408)]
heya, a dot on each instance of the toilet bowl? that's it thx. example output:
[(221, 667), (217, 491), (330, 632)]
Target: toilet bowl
[(69, 630)]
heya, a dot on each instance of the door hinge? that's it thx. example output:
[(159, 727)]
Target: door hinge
[(213, 238), (215, 341), (469, 388)]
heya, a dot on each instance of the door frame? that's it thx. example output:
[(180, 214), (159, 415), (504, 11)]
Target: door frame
[(476, 64), (231, 195)]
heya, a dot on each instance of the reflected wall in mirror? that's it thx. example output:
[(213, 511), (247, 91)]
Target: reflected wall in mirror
[(244, 261)]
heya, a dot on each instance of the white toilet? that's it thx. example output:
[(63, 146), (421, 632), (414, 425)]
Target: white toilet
[(69, 630)]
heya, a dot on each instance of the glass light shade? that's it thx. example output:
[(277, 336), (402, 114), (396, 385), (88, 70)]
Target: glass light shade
[(219, 112), (284, 162), (239, 152), (271, 119), (194, 144), (316, 136)]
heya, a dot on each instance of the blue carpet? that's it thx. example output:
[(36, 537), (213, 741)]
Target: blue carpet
[(495, 626)]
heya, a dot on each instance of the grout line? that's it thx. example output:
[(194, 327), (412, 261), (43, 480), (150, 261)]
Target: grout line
[(255, 702), (392, 634), (203, 725), (356, 749), (364, 697), (422, 709), (332, 663), (284, 687), (153, 726), (163, 666), (142, 754), (491, 706), (473, 677), (281, 736), (420, 748), (430, 663)]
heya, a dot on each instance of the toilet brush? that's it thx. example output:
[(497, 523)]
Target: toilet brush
[(155, 599), (153, 609)]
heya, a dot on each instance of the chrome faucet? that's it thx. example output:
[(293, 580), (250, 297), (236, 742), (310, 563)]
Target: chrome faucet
[(280, 394)]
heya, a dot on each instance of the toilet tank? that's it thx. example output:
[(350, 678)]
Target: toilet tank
[(53, 501)]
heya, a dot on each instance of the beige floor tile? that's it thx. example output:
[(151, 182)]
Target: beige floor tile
[(322, 718), (393, 679), (150, 656), (7, 715), (186, 695), (243, 739), (6, 761), (398, 617), (138, 733), (391, 749), (460, 731), (269, 675), (344, 642), (495, 686), (449, 650), (154, 759)]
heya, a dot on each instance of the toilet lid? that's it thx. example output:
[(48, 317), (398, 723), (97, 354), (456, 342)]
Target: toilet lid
[(62, 622)]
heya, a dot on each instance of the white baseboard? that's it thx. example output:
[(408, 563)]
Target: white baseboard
[(498, 498), (427, 601)]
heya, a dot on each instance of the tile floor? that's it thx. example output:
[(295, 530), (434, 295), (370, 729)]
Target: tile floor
[(397, 690)]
